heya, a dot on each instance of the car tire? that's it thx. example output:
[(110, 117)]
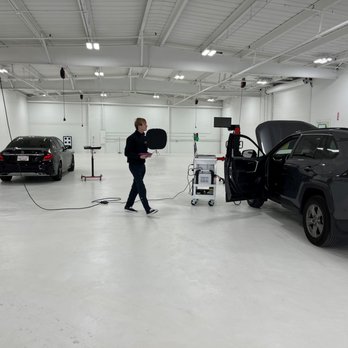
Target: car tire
[(317, 222), (6, 178), (256, 202), (72, 165), (59, 174)]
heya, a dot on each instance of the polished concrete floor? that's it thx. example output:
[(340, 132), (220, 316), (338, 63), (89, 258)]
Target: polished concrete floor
[(189, 276)]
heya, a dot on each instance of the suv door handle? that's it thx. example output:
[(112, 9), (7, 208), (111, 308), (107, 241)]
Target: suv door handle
[(308, 169)]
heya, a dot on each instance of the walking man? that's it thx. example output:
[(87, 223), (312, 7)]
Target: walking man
[(136, 152)]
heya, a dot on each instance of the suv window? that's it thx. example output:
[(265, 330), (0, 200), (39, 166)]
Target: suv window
[(331, 149), (286, 148), (308, 146)]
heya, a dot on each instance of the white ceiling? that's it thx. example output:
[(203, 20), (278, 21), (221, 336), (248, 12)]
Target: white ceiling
[(145, 43)]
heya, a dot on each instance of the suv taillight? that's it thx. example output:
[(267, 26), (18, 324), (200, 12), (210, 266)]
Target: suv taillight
[(48, 157), (1, 157)]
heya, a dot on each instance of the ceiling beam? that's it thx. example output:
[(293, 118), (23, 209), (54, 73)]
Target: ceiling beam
[(31, 23), (144, 21), (320, 39), (174, 17), (203, 76), (336, 30), (287, 26), (87, 18), (223, 27)]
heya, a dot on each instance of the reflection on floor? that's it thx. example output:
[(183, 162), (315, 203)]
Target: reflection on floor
[(189, 276)]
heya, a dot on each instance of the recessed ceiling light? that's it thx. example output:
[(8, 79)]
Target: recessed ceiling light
[(96, 46), (156, 96), (89, 45), (211, 100), (103, 94)]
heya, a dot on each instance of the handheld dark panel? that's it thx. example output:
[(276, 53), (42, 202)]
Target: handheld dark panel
[(156, 138)]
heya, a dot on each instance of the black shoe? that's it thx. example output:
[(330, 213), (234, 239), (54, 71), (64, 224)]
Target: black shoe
[(152, 211), (130, 209)]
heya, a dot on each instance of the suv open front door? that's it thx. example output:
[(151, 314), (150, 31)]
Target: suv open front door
[(244, 170)]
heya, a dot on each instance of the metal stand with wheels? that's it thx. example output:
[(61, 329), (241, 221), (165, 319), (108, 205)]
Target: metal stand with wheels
[(85, 177), (204, 186)]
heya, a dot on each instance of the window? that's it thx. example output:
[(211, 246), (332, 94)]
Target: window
[(308, 145), (331, 149), (30, 142), (286, 148)]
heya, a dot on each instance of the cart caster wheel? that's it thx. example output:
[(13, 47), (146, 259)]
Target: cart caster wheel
[(194, 201), (211, 202)]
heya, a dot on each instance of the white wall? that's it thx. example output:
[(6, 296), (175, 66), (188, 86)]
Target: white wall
[(47, 119), (109, 124), (330, 98), (293, 104), (17, 113)]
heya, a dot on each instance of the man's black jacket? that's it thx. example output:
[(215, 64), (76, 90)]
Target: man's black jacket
[(136, 143)]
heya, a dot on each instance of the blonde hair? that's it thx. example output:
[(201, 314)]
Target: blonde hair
[(139, 122)]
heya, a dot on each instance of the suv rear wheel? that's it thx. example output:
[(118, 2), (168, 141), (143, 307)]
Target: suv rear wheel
[(256, 202), (317, 222), (6, 178)]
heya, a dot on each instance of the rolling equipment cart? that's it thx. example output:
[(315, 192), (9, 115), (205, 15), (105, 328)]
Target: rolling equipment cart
[(204, 181)]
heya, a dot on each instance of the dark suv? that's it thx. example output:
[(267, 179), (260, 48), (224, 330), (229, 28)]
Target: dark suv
[(35, 155), (308, 170)]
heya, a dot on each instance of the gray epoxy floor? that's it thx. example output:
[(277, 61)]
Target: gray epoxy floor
[(190, 276)]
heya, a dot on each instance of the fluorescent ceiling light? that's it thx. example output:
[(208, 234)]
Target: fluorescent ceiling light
[(89, 45), (211, 53), (3, 71), (323, 60), (98, 73), (96, 46), (211, 100), (205, 52), (103, 94), (156, 96), (179, 76)]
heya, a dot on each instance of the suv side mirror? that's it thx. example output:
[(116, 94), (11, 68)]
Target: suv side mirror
[(249, 153)]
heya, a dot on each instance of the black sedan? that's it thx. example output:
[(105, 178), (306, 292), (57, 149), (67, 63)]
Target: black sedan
[(307, 170), (36, 156)]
